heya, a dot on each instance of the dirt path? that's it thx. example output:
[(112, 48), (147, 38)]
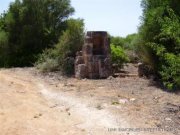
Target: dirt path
[(29, 106), (32, 104)]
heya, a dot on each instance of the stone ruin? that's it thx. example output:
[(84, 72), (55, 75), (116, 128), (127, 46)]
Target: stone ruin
[(94, 60)]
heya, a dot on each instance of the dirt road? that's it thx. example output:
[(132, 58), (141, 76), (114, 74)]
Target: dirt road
[(35, 104)]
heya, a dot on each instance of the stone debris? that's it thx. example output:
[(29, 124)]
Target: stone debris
[(123, 101), (132, 99), (168, 119), (110, 78)]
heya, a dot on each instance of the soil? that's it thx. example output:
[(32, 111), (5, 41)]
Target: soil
[(32, 103)]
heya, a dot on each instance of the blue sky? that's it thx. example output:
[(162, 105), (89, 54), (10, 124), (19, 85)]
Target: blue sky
[(118, 17)]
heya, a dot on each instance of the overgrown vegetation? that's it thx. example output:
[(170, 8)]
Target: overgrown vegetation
[(158, 43), (62, 56), (124, 42), (119, 57), (122, 51), (30, 26)]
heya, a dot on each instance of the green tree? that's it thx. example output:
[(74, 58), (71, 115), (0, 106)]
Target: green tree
[(124, 42), (159, 39), (127, 44), (117, 41), (32, 26), (118, 56)]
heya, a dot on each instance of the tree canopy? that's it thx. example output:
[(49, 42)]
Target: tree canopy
[(159, 39), (30, 26)]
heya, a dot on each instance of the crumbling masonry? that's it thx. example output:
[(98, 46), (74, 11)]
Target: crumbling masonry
[(94, 60)]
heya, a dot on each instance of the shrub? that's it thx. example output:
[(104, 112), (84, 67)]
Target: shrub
[(159, 40), (32, 26), (170, 71), (126, 43), (3, 48), (119, 56), (47, 61), (62, 56)]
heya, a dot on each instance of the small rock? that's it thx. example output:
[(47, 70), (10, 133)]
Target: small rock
[(68, 85), (123, 101), (132, 99), (110, 78), (20, 91), (168, 119), (67, 109), (101, 87), (158, 125), (65, 84), (99, 107), (53, 106), (36, 117), (155, 97), (85, 79)]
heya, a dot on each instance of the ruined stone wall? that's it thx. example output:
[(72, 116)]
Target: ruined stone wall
[(94, 59)]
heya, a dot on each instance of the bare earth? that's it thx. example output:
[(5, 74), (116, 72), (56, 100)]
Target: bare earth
[(36, 104)]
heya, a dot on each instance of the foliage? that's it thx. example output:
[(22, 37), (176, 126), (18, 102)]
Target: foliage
[(117, 41), (159, 39), (47, 61), (118, 55), (127, 43), (124, 42), (32, 26), (170, 71), (62, 56), (3, 47)]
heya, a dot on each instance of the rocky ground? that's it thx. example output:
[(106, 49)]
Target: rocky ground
[(32, 103)]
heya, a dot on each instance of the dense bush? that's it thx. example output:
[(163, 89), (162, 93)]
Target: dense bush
[(30, 26), (127, 43), (118, 56), (159, 39), (124, 42), (62, 56), (118, 41), (3, 47)]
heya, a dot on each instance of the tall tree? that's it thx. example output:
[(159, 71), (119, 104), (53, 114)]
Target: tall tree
[(31, 26), (160, 39)]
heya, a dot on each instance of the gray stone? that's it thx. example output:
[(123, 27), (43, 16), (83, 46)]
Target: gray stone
[(81, 71), (95, 61)]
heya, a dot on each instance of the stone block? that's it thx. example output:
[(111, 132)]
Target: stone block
[(81, 71), (87, 49), (79, 60)]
